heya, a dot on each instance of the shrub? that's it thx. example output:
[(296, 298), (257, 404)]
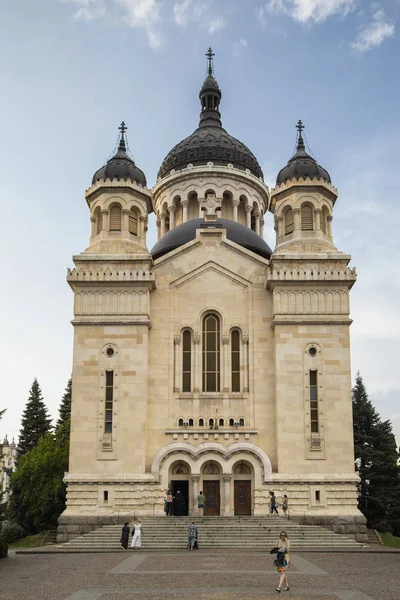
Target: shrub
[(11, 532), (3, 548)]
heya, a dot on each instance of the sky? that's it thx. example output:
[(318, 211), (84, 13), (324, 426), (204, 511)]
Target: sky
[(72, 70)]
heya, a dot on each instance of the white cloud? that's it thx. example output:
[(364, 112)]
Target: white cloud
[(310, 10), (260, 16), (215, 25), (87, 10), (181, 12), (242, 43), (144, 14), (374, 33)]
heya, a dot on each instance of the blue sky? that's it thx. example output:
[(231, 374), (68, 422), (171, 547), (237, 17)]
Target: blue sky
[(73, 69)]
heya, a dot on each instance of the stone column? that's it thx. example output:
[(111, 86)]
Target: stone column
[(297, 219), (158, 223), (196, 364), (257, 215), (104, 212), (125, 220), (93, 226), (227, 494), (262, 227), (279, 227), (248, 216), (318, 215), (142, 229), (171, 210), (177, 370), (245, 363), (201, 212), (329, 225), (225, 363), (185, 204), (163, 215), (195, 493), (235, 204)]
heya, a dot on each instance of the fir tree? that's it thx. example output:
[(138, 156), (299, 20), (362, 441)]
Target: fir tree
[(36, 421), (376, 459), (65, 406)]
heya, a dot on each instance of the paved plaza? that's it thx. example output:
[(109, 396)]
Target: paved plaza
[(198, 576)]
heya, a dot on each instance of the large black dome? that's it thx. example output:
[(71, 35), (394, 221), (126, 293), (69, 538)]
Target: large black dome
[(240, 234), (210, 142), (121, 165), (302, 165)]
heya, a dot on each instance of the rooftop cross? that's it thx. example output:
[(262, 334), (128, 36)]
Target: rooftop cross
[(300, 141), (210, 54), (122, 128)]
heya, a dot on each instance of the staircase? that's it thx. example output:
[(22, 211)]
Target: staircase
[(50, 538), (244, 533)]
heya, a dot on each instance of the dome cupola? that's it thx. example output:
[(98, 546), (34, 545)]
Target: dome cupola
[(210, 142), (302, 165), (121, 165)]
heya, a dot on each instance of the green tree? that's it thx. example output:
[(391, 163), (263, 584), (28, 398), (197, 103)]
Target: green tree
[(376, 459), (38, 496), (65, 406), (36, 421), (2, 507)]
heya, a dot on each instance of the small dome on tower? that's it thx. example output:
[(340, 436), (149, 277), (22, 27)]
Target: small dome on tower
[(302, 164), (210, 142), (121, 165)]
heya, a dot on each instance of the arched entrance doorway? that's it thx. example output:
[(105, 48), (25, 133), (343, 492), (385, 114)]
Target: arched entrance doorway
[(211, 488), (179, 486), (242, 488)]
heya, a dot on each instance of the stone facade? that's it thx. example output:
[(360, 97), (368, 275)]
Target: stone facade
[(144, 418), (8, 459)]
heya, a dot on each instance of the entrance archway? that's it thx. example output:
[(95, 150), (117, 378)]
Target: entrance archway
[(242, 488), (212, 488), (179, 485)]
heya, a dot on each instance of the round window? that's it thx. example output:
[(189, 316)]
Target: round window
[(110, 352), (312, 351)]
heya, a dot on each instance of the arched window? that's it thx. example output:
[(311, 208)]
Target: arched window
[(231, 422), (133, 222), (115, 218), (180, 422), (167, 226), (211, 422), (235, 360), (211, 353), (190, 422), (307, 221), (241, 422), (324, 216), (289, 221), (186, 361), (99, 222), (201, 422), (221, 423), (253, 222)]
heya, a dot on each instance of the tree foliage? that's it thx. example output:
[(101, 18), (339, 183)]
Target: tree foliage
[(376, 458), (36, 421), (65, 406), (38, 496), (2, 507)]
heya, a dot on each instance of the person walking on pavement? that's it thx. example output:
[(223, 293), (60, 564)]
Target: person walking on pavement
[(201, 500), (125, 536), (282, 560), (192, 535), (137, 535)]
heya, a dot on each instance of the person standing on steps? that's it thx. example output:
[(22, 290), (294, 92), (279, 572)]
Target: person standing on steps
[(179, 504), (285, 505), (201, 500), (192, 535), (125, 536), (168, 503), (282, 560), (272, 504), (137, 536)]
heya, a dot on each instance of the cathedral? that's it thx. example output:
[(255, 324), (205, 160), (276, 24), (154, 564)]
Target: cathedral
[(210, 362)]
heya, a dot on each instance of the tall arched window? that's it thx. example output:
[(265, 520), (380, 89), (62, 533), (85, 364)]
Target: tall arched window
[(133, 222), (235, 360), (186, 361), (211, 353), (289, 221), (115, 218), (307, 221)]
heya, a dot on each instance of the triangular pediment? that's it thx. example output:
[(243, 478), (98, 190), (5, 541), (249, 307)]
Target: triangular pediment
[(209, 268)]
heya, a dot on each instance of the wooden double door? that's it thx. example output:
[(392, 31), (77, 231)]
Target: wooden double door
[(211, 492), (242, 497)]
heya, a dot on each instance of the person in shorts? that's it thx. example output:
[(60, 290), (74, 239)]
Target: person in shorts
[(201, 500)]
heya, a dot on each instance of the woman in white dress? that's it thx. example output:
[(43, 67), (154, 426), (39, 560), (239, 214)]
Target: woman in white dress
[(137, 536)]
